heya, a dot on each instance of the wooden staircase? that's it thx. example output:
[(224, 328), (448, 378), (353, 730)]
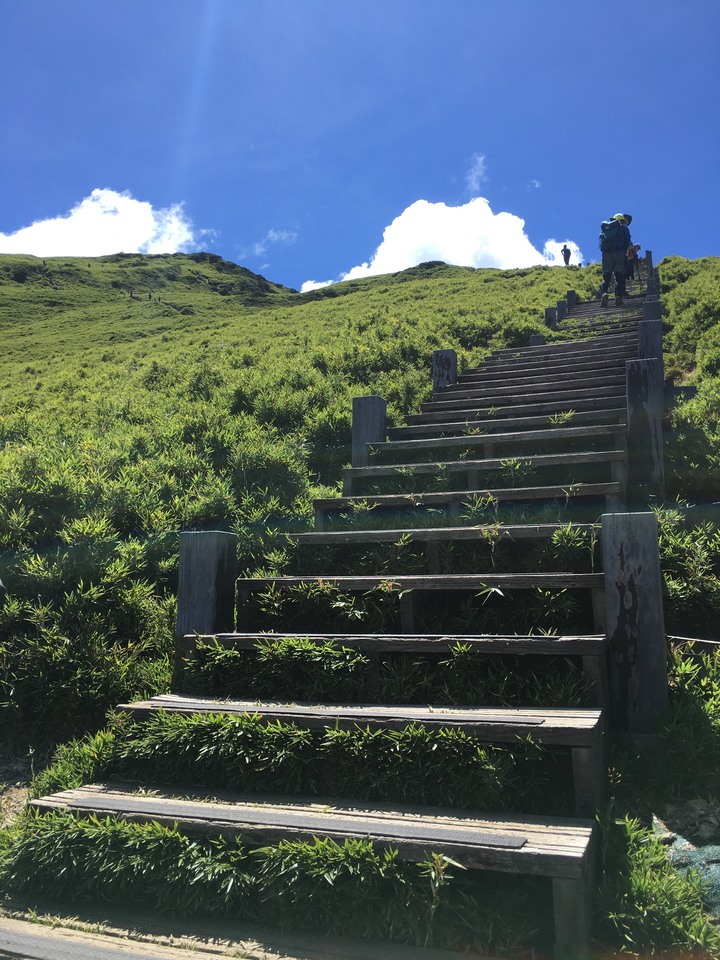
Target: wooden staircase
[(561, 412)]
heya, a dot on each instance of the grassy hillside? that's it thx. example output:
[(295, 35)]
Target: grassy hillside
[(145, 395)]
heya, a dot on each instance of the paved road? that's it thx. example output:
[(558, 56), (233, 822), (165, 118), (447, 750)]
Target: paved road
[(33, 941), (25, 940)]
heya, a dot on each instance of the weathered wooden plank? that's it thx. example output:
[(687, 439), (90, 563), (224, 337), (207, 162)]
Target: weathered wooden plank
[(637, 658), (646, 470), (591, 646), (558, 434), (478, 533), (575, 727), (564, 394), (206, 598), (505, 409), (586, 345), (328, 504), (572, 904), (464, 466), (460, 581), (444, 368), (559, 373), (502, 424), (499, 389), (582, 358), (369, 421), (557, 368), (535, 846)]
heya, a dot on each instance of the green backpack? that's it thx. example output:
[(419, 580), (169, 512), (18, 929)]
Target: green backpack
[(612, 236)]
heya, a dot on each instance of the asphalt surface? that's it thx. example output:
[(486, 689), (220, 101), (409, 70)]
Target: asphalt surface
[(27, 940), (33, 941)]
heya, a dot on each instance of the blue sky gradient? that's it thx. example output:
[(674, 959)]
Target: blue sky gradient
[(288, 135)]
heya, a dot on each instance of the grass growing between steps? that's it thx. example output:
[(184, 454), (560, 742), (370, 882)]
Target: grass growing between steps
[(331, 609), (297, 669), (413, 765), (348, 889), (643, 906)]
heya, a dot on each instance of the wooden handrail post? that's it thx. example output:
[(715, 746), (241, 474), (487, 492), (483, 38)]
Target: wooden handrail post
[(571, 298), (635, 626), (206, 582), (444, 368), (536, 340), (653, 283), (644, 393), (648, 261), (551, 317), (650, 336), (652, 312), (562, 310), (369, 425)]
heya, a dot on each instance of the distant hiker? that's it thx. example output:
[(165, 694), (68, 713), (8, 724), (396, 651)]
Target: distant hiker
[(614, 245), (633, 261), (566, 254)]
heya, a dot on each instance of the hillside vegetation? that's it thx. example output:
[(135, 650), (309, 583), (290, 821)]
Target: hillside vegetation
[(146, 395), (142, 395)]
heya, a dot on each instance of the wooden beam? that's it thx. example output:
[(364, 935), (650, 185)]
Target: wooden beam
[(637, 659), (206, 582), (644, 391), (369, 424), (444, 368)]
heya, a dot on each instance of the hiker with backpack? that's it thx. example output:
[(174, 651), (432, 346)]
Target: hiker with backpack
[(614, 245)]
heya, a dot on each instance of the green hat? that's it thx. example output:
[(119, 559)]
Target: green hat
[(623, 216)]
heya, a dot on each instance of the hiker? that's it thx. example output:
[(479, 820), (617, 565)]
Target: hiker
[(614, 245), (566, 254), (633, 261)]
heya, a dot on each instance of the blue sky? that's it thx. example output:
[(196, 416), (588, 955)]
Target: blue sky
[(310, 140)]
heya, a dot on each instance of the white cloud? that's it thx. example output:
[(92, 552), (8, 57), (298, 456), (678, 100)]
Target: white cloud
[(470, 235), (103, 223), (477, 174), (316, 285), (534, 185), (285, 237)]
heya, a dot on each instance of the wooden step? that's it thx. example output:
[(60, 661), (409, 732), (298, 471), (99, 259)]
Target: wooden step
[(580, 645), (326, 505), (528, 531), (564, 395), (580, 345), (560, 351), (472, 441), (508, 368), (495, 370), (522, 379), (579, 729), (506, 409), (419, 581), (474, 467), (595, 417), (509, 387), (538, 846)]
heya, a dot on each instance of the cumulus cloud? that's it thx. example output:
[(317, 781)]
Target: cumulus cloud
[(106, 222), (469, 235)]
